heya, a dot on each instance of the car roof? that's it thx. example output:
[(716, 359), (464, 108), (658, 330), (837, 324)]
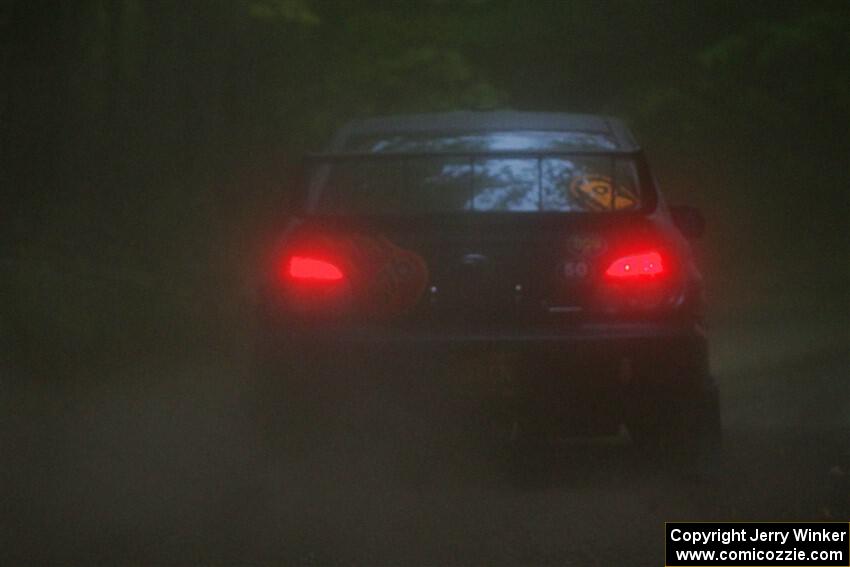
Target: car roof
[(466, 121)]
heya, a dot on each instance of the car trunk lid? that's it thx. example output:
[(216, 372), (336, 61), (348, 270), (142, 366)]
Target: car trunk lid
[(493, 268)]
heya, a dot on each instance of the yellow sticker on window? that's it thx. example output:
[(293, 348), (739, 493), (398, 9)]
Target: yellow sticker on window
[(596, 193)]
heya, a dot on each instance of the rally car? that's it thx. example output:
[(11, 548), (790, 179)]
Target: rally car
[(522, 267)]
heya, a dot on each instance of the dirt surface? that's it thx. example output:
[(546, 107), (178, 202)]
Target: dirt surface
[(156, 461)]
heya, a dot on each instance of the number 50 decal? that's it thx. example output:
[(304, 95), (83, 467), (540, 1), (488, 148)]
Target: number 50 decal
[(573, 270)]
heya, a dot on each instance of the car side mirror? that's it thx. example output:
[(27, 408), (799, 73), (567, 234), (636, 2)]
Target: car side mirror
[(689, 221)]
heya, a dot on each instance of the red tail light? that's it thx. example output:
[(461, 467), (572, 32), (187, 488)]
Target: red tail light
[(636, 265), (305, 268)]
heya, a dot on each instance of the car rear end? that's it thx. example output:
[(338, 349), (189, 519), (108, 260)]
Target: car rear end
[(531, 268)]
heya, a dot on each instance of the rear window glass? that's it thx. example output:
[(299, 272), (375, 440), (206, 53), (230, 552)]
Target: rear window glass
[(434, 185), (440, 184)]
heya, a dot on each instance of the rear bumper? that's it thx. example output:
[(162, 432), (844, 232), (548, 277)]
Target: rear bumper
[(580, 336), (577, 379)]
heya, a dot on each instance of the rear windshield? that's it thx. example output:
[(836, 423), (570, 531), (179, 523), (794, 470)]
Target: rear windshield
[(443, 184)]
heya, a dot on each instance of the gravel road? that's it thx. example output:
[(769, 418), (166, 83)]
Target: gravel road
[(155, 462)]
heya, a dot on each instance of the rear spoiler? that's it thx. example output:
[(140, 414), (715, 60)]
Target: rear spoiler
[(471, 155)]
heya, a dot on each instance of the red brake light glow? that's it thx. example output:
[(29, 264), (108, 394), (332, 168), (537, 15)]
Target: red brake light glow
[(636, 265), (306, 268)]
